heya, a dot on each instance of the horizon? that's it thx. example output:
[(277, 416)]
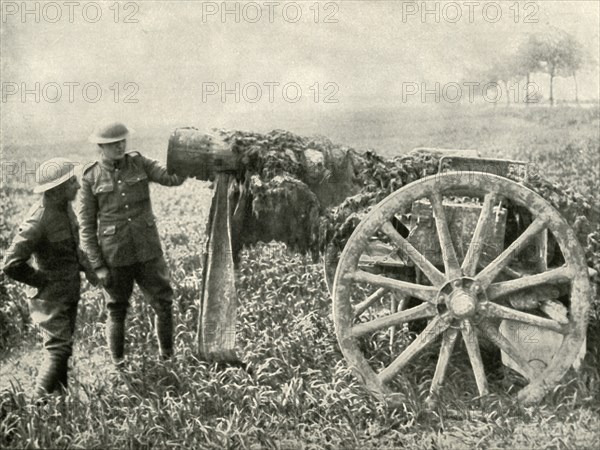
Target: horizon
[(184, 63)]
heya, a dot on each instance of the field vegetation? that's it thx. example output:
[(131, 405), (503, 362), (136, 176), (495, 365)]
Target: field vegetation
[(299, 392)]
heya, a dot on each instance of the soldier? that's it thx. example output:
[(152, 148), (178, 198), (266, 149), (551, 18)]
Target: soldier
[(50, 234), (119, 235)]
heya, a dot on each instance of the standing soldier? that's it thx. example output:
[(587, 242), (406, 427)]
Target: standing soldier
[(119, 235), (50, 234)]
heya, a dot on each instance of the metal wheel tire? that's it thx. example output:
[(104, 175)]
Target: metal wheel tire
[(470, 296)]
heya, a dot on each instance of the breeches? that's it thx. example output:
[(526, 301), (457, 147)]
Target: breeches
[(54, 310), (153, 279)]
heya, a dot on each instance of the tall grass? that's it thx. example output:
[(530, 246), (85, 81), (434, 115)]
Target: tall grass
[(300, 392)]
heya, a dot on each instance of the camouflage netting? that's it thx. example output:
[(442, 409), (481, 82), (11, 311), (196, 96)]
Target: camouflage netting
[(311, 193)]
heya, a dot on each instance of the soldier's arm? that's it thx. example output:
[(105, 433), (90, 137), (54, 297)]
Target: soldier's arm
[(16, 261), (88, 225), (159, 174)]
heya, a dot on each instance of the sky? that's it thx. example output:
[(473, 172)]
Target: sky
[(155, 64)]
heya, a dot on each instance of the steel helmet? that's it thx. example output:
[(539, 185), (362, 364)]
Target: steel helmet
[(110, 132), (52, 173)]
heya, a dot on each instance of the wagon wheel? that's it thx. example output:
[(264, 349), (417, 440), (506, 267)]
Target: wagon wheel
[(463, 299)]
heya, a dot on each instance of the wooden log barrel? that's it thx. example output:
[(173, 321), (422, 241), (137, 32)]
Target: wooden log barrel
[(195, 154)]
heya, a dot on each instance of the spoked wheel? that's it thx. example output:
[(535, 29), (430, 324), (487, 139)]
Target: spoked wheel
[(467, 298)]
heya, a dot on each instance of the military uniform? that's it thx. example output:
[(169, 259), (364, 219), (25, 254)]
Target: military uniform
[(51, 235), (118, 231)]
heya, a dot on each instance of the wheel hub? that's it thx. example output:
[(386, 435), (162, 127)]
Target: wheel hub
[(462, 304), (461, 297)]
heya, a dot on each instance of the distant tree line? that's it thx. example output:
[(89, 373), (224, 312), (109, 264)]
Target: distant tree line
[(553, 51)]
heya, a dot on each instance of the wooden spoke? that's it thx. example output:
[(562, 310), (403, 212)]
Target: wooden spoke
[(507, 347), (554, 276), (503, 312), (472, 344), (436, 277), (425, 293), (448, 341), (422, 311), (487, 275), (438, 325), (451, 265), (486, 218), (365, 304)]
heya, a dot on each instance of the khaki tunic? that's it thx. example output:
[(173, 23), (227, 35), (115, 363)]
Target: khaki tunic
[(118, 227), (50, 234)]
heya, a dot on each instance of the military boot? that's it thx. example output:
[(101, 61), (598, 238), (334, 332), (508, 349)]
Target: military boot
[(63, 377), (115, 337), (163, 324), (52, 373)]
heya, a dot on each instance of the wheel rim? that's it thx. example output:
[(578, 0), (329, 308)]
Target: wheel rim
[(470, 297)]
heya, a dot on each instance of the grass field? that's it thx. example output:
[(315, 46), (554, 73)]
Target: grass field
[(301, 393)]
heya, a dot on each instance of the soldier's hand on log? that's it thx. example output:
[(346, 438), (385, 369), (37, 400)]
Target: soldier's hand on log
[(103, 276)]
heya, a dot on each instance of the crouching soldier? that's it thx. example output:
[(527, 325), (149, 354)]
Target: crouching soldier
[(50, 234), (119, 235)]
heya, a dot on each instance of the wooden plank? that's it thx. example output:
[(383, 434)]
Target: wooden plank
[(216, 332)]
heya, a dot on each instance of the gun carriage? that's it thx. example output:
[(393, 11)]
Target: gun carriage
[(467, 254)]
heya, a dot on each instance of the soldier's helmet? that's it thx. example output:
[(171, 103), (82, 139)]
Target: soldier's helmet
[(106, 133), (52, 173)]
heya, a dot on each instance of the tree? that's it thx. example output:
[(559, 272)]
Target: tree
[(500, 72), (575, 50), (525, 63), (554, 52)]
